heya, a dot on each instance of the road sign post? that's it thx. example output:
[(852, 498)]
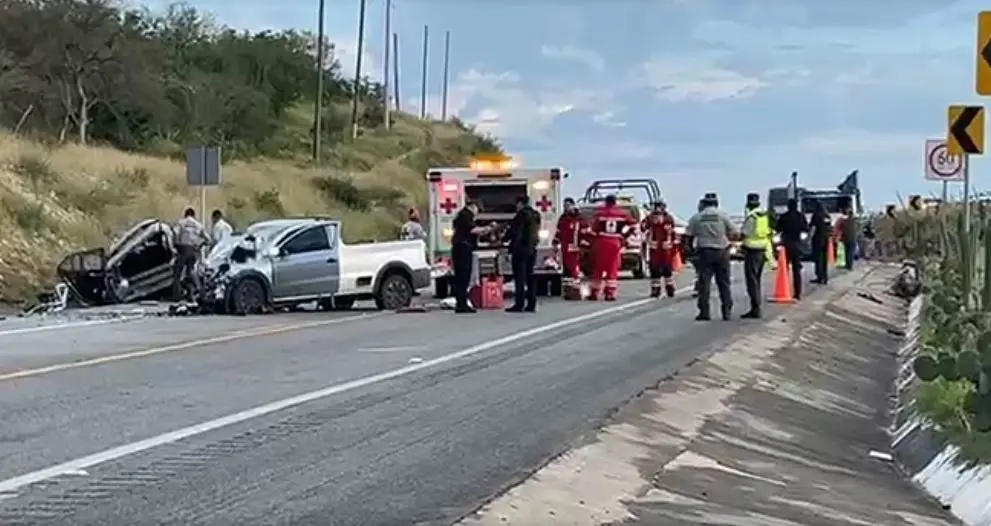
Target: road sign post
[(203, 170)]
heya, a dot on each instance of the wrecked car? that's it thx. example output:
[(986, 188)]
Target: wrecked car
[(290, 262), (137, 266)]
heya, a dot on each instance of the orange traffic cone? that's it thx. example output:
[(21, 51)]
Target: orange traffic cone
[(782, 282), (677, 264), (830, 253)]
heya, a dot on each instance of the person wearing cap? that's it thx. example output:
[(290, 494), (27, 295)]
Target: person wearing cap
[(711, 230), (756, 234), (663, 243)]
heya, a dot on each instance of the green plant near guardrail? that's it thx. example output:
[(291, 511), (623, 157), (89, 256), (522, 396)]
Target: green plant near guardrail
[(955, 360)]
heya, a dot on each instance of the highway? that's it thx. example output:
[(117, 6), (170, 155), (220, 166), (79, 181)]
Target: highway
[(318, 418)]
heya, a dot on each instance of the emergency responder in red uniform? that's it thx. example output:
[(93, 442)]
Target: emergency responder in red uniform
[(610, 228), (663, 244), (571, 229)]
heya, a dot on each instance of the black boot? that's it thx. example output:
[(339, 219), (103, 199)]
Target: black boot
[(670, 290)]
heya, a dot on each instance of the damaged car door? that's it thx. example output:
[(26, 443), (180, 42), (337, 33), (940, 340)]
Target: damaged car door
[(307, 265)]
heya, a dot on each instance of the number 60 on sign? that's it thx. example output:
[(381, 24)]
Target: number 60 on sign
[(940, 165)]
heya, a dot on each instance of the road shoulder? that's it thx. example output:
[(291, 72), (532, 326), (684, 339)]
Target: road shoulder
[(775, 427)]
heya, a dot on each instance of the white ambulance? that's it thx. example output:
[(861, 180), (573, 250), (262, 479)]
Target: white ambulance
[(495, 185)]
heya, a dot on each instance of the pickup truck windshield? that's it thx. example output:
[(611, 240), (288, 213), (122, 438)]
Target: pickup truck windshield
[(496, 199)]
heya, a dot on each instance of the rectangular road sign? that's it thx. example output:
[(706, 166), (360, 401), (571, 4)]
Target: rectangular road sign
[(940, 165), (203, 166), (983, 76), (965, 130)]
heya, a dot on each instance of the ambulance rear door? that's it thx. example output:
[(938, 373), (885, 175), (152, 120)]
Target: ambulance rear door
[(446, 196)]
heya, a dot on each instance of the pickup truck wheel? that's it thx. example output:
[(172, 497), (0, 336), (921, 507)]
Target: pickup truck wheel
[(395, 292), (247, 297)]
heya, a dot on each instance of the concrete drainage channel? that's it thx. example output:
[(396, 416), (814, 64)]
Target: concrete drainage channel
[(926, 458)]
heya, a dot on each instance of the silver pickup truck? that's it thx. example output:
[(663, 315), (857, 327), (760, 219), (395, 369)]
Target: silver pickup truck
[(289, 262)]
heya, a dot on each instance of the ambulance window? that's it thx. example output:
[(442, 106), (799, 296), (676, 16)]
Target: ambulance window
[(496, 199)]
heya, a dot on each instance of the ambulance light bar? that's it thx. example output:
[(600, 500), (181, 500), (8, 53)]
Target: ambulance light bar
[(493, 175)]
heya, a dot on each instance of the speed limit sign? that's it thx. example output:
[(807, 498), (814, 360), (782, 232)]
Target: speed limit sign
[(940, 165)]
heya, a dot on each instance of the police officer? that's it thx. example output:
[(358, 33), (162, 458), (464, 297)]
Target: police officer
[(756, 240), (464, 241), (821, 236), (792, 226), (711, 230)]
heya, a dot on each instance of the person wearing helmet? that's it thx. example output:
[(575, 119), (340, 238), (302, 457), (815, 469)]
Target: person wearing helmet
[(711, 230), (610, 227), (663, 243), (756, 240)]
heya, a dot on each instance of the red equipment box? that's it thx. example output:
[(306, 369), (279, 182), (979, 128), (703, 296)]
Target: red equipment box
[(487, 294)]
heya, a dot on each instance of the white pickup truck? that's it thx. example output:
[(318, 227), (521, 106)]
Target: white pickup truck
[(289, 262)]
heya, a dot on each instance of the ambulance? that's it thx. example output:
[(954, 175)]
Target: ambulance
[(495, 184)]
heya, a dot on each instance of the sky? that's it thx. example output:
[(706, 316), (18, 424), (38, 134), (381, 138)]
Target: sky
[(728, 96)]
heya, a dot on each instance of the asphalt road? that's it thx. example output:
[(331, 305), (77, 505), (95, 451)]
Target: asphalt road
[(399, 418)]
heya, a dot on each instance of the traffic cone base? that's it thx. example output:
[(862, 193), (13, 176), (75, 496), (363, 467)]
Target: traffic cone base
[(782, 282)]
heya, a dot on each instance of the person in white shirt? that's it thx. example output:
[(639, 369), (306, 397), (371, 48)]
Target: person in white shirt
[(221, 228), (413, 229)]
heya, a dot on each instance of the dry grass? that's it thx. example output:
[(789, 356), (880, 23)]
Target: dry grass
[(55, 200)]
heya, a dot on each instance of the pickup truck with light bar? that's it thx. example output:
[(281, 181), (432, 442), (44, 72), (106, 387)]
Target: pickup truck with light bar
[(495, 185)]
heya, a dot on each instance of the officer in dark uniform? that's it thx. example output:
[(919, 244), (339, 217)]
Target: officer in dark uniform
[(523, 235), (463, 245), (792, 226)]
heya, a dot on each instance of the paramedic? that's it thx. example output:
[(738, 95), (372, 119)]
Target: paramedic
[(610, 227), (756, 240), (567, 239), (663, 243), (463, 245), (190, 236), (711, 230), (523, 235)]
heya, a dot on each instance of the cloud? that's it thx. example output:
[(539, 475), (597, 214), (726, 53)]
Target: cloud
[(677, 79), (502, 104), (853, 142), (345, 51), (608, 119), (589, 58)]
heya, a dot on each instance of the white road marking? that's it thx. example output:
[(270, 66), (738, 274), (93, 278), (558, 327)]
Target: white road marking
[(268, 330), (69, 325), (400, 348), (13, 484)]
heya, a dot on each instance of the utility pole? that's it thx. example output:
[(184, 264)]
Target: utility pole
[(357, 70), (395, 72), (423, 74), (385, 67), (447, 75), (318, 105)]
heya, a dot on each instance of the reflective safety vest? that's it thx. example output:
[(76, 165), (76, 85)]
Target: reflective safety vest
[(761, 237)]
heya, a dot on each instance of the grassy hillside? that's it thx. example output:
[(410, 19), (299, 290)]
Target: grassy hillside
[(97, 105), (57, 199)]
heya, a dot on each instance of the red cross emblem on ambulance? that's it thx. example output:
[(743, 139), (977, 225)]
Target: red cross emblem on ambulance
[(448, 196), (545, 205)]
